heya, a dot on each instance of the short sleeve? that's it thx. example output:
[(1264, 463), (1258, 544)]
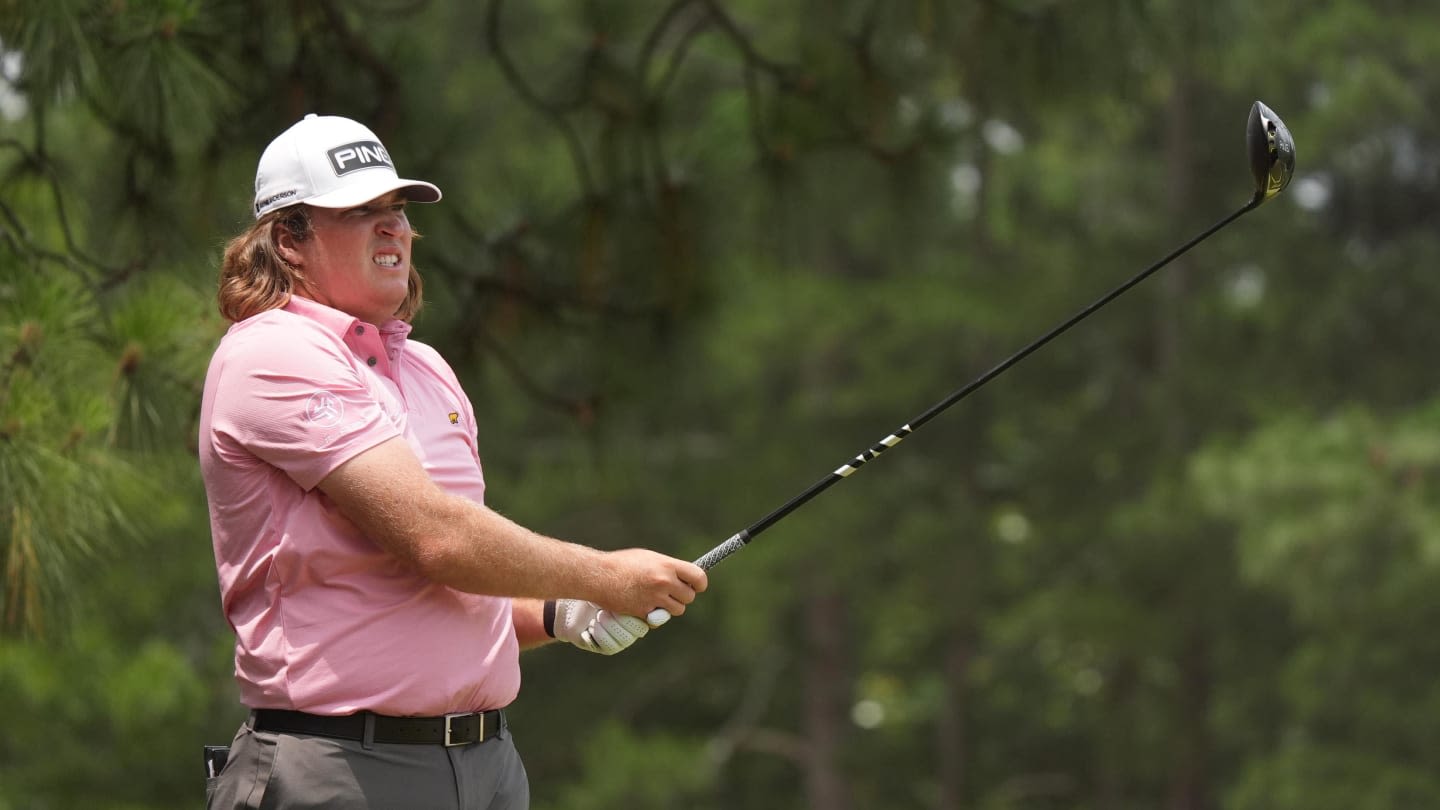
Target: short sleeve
[(296, 399)]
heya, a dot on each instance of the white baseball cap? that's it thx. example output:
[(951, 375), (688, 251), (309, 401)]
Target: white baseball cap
[(329, 162)]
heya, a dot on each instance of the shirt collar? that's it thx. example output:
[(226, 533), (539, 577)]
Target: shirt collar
[(341, 322)]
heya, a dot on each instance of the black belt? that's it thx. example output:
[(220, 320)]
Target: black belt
[(447, 730)]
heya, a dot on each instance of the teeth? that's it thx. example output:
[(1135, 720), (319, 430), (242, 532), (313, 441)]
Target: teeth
[(387, 260)]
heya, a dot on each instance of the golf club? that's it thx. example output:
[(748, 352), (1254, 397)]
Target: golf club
[(1272, 162)]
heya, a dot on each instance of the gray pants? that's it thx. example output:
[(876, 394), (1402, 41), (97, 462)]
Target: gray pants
[(282, 771)]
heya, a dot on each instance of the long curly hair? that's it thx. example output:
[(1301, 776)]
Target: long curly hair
[(254, 278)]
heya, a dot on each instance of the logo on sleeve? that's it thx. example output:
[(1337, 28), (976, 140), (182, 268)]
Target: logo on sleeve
[(454, 418), (324, 409)]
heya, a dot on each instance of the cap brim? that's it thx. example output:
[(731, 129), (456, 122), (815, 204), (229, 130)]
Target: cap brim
[(361, 192)]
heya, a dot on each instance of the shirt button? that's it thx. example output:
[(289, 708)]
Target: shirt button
[(371, 361), (359, 330)]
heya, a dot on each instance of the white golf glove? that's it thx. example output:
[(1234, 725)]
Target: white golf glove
[(591, 628)]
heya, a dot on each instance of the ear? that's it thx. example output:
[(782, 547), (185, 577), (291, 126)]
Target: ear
[(288, 246)]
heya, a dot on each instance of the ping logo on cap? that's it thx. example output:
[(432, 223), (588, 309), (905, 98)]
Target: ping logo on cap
[(352, 157)]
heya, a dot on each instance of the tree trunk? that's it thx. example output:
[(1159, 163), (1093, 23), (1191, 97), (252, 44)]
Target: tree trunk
[(1189, 785), (1116, 749), (1188, 780), (825, 709), (951, 748)]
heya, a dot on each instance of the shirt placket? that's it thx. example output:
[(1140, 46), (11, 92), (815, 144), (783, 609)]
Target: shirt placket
[(383, 351), (364, 340)]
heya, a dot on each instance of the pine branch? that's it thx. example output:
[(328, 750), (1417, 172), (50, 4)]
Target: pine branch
[(787, 81), (35, 163), (554, 113), (582, 409), (356, 47)]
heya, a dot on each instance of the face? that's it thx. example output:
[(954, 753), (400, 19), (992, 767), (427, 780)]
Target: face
[(356, 260)]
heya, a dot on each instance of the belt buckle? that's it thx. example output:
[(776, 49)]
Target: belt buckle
[(449, 718)]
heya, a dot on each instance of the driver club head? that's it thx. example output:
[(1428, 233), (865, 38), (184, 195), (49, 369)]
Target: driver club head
[(1272, 152)]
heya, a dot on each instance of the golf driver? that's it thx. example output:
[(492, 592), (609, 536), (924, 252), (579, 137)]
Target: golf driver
[(1272, 162)]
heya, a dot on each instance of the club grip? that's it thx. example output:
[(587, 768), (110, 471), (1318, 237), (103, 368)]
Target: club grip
[(720, 552), (659, 616)]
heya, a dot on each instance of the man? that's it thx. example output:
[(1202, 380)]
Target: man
[(379, 607)]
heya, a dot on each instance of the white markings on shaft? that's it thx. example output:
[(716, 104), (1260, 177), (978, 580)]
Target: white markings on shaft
[(885, 444)]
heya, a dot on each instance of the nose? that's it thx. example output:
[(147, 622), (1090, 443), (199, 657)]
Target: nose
[(394, 223)]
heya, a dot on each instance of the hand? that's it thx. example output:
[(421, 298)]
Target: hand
[(637, 582), (591, 628)]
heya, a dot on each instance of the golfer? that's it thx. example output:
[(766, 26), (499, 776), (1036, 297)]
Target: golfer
[(379, 606)]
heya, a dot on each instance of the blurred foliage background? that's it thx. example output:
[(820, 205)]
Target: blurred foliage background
[(695, 254)]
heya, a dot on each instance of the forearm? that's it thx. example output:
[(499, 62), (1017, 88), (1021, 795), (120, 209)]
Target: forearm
[(473, 548), (388, 496)]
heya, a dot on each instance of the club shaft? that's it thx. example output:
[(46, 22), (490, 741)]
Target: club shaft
[(741, 538)]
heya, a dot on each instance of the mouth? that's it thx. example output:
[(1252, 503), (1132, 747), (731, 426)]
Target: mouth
[(387, 260)]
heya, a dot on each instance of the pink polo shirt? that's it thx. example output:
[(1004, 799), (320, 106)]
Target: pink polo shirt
[(326, 621)]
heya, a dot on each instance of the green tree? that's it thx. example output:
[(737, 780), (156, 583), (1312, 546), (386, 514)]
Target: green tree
[(693, 255)]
